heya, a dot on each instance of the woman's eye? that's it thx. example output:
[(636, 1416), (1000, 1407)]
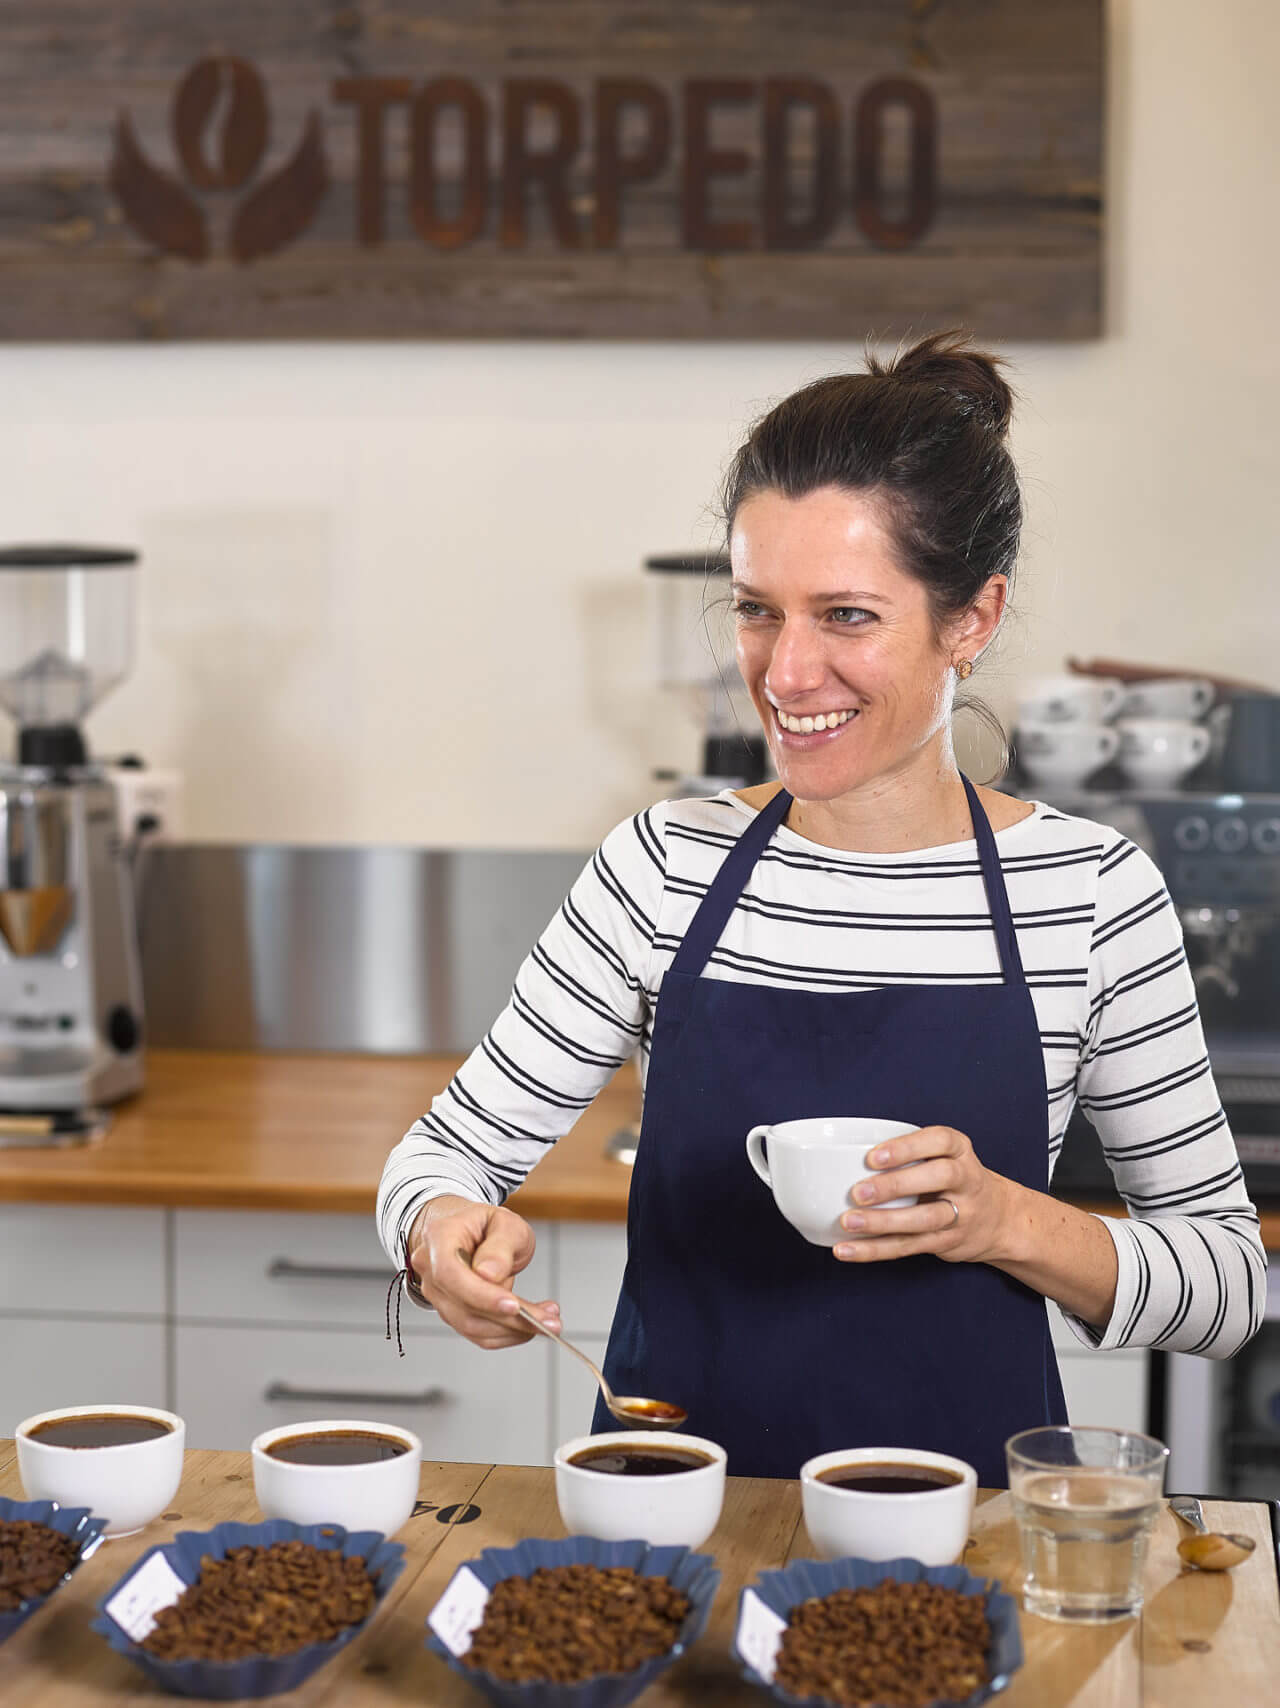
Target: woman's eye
[(747, 608), (848, 616)]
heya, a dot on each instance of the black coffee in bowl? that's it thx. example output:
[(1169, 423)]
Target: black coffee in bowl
[(887, 1478), (628, 1461), (336, 1447), (99, 1429)]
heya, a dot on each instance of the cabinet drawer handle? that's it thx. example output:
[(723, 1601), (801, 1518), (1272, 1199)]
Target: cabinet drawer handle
[(280, 1392), (285, 1269)]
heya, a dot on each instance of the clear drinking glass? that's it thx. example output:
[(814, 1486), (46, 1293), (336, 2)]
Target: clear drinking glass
[(1085, 1500)]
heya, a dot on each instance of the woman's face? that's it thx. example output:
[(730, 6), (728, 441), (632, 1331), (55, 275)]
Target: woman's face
[(835, 642)]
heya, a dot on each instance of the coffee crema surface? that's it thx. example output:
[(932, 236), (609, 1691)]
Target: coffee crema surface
[(336, 1447), (644, 1461), (98, 1429), (888, 1477)]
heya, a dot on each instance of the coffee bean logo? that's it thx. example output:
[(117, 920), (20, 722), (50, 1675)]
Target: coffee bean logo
[(220, 128)]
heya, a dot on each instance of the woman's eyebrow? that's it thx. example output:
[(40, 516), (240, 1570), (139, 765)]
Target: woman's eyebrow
[(840, 596)]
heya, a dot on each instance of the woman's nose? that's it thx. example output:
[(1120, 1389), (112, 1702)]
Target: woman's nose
[(796, 665)]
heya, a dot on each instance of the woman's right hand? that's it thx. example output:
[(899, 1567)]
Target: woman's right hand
[(466, 1257)]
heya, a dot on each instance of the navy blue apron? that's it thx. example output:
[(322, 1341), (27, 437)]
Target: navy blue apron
[(778, 1350)]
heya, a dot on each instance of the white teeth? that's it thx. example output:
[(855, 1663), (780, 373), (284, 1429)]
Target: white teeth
[(808, 726)]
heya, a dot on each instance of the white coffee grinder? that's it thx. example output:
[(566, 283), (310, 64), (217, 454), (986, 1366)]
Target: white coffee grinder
[(695, 654), (70, 978)]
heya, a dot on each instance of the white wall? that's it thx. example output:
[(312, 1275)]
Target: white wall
[(391, 593)]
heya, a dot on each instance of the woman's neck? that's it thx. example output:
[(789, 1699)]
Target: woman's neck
[(920, 805)]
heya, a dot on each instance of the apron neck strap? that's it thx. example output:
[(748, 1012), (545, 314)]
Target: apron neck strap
[(718, 904), (997, 894), (713, 915)]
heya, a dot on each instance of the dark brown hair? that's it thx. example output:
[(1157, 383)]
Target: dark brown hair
[(924, 435)]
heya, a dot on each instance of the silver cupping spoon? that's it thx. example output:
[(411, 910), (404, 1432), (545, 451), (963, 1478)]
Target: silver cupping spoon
[(627, 1408), (1208, 1550)]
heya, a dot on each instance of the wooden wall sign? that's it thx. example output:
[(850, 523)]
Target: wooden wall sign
[(565, 168)]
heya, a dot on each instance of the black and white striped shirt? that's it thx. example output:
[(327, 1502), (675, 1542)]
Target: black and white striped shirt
[(1103, 956)]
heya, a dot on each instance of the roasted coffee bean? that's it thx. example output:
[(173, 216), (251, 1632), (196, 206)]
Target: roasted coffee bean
[(897, 1645), (569, 1623), (263, 1601), (33, 1560)]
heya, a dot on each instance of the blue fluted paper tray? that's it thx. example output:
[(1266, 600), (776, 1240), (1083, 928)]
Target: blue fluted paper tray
[(75, 1522), (260, 1675), (782, 1590), (695, 1575)]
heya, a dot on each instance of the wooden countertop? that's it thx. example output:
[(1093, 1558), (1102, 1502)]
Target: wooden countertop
[(252, 1131), (1201, 1638), (299, 1132)]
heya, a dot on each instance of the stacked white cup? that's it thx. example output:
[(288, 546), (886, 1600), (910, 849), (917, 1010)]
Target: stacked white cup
[(1064, 730), (1066, 733), (1160, 737)]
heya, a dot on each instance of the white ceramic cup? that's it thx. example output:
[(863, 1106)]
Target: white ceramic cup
[(1069, 699), (128, 1485), (813, 1166), (379, 1495), (679, 1510), (932, 1526), (1062, 756), (1157, 753), (1186, 697)]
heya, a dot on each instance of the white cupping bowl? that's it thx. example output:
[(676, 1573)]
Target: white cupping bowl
[(378, 1496), (932, 1527), (128, 1486), (680, 1510)]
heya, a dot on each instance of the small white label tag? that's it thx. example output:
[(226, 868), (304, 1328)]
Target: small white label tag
[(759, 1634), (135, 1604), (459, 1610)]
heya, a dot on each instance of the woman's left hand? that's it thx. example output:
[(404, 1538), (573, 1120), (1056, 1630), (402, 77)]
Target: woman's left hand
[(946, 1173)]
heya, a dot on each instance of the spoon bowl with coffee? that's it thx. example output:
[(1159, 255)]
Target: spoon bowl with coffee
[(627, 1408)]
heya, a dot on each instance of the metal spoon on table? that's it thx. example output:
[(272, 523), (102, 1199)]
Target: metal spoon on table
[(1209, 1550), (627, 1408)]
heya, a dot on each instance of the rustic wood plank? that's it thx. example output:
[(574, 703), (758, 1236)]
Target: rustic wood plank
[(128, 125), (55, 1659), (1196, 1624)]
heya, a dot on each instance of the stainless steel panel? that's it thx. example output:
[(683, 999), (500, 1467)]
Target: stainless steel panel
[(395, 951)]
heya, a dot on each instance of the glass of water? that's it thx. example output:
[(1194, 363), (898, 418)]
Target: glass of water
[(1085, 1500)]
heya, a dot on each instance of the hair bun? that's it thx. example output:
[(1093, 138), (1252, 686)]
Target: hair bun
[(954, 363)]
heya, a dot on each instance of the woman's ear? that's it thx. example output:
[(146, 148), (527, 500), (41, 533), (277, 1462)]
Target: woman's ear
[(976, 627)]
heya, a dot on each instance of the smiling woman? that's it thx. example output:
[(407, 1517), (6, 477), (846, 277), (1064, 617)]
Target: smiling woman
[(873, 936)]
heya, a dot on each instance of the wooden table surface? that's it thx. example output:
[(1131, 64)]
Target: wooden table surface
[(253, 1131), (1200, 1640)]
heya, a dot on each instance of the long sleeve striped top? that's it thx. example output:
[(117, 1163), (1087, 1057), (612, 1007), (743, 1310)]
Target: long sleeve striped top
[(1102, 951)]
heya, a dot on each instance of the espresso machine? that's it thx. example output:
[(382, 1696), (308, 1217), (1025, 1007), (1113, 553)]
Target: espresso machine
[(1219, 854), (696, 657), (70, 978)]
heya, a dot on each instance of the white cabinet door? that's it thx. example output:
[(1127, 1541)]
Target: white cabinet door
[(47, 1362), (263, 1266), (591, 1258), (1107, 1388), (82, 1258), (575, 1389), (234, 1382)]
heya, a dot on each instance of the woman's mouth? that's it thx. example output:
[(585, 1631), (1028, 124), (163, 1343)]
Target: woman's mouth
[(811, 729)]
